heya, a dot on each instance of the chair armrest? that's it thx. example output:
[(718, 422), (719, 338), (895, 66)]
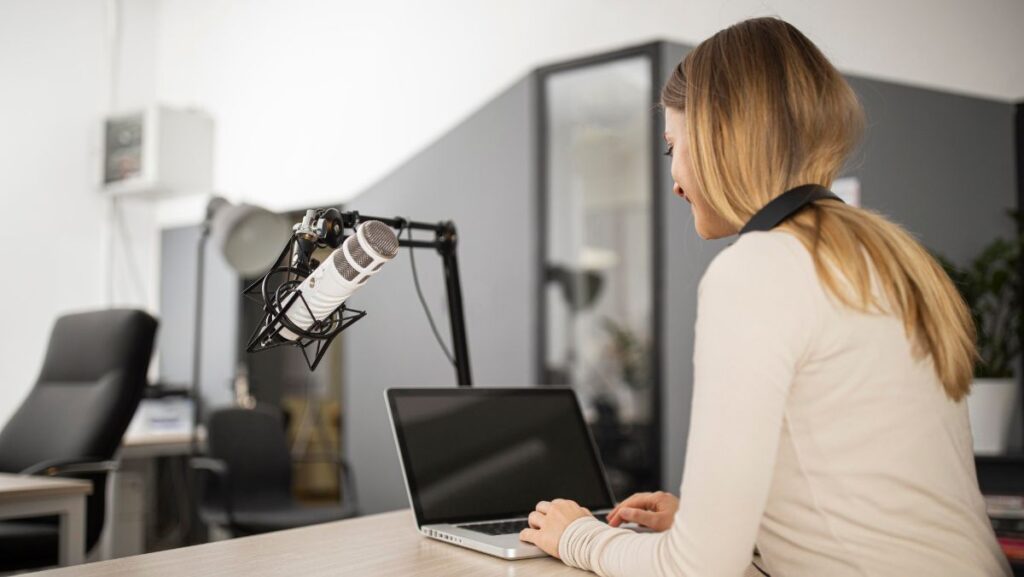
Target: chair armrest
[(57, 467), (215, 466), (348, 487), (345, 478), (219, 469)]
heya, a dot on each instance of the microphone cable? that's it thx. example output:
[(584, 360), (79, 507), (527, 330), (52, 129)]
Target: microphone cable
[(423, 301)]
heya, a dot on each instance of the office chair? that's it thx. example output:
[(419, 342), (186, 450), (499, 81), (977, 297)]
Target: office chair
[(248, 476), (72, 421)]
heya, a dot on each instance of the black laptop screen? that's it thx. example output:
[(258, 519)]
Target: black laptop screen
[(475, 454)]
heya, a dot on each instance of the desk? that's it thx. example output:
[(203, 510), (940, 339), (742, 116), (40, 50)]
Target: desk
[(149, 445), (132, 520), (1002, 475), (32, 496), (385, 544)]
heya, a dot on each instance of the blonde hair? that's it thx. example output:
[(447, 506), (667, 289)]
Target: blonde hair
[(766, 111)]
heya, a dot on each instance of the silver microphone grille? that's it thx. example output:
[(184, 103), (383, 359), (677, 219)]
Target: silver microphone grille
[(344, 268), (356, 250), (381, 238)]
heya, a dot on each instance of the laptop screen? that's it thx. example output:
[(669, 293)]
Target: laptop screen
[(477, 454)]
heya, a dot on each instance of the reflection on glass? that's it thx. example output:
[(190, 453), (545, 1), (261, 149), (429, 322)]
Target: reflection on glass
[(599, 290)]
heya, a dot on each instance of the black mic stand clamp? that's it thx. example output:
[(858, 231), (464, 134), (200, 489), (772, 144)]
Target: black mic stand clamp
[(319, 228), (276, 290)]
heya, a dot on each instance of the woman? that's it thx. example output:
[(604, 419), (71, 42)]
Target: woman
[(833, 355)]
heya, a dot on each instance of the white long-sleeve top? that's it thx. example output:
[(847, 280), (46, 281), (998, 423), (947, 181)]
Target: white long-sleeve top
[(815, 434)]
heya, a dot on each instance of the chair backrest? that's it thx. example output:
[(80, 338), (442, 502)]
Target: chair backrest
[(253, 444), (92, 379)]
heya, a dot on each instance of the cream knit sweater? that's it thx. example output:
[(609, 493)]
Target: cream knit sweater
[(815, 435)]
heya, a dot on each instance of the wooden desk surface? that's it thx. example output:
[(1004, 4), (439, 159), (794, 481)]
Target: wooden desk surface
[(19, 487), (385, 544)]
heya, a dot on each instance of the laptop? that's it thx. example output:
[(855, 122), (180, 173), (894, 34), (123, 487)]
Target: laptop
[(477, 460)]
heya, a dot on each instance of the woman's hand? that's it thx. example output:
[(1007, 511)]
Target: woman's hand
[(548, 522), (651, 510)]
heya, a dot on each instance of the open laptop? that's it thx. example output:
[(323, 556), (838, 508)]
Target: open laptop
[(477, 460)]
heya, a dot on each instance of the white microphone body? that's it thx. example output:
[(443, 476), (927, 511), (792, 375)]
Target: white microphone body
[(341, 274)]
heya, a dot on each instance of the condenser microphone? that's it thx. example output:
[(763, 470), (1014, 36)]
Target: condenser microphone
[(341, 274)]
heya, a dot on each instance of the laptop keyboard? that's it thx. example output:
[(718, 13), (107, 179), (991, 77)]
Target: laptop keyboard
[(498, 527), (506, 527)]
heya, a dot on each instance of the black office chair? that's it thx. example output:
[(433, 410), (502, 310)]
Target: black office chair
[(72, 421), (247, 477)]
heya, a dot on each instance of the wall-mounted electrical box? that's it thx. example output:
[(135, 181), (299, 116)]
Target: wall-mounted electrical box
[(158, 151)]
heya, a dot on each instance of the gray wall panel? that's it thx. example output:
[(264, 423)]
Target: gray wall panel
[(479, 175), (940, 164), (177, 316)]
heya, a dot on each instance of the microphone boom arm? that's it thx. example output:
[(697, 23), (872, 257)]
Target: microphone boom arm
[(445, 241), (276, 301)]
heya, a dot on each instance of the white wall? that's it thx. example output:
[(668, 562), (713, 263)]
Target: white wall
[(54, 225), (315, 100), (50, 98)]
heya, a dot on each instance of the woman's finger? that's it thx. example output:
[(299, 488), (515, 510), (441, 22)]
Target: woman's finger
[(544, 507), (529, 535), (536, 519), (640, 517), (638, 500)]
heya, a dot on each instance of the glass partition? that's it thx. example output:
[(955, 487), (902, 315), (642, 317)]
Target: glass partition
[(598, 259)]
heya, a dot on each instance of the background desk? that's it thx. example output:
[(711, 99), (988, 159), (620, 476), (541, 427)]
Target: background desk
[(149, 493), (385, 544), (33, 496)]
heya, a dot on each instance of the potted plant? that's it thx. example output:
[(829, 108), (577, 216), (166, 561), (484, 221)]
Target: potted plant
[(629, 360), (991, 287)]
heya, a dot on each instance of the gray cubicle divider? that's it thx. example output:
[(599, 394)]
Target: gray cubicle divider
[(480, 176), (178, 251)]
